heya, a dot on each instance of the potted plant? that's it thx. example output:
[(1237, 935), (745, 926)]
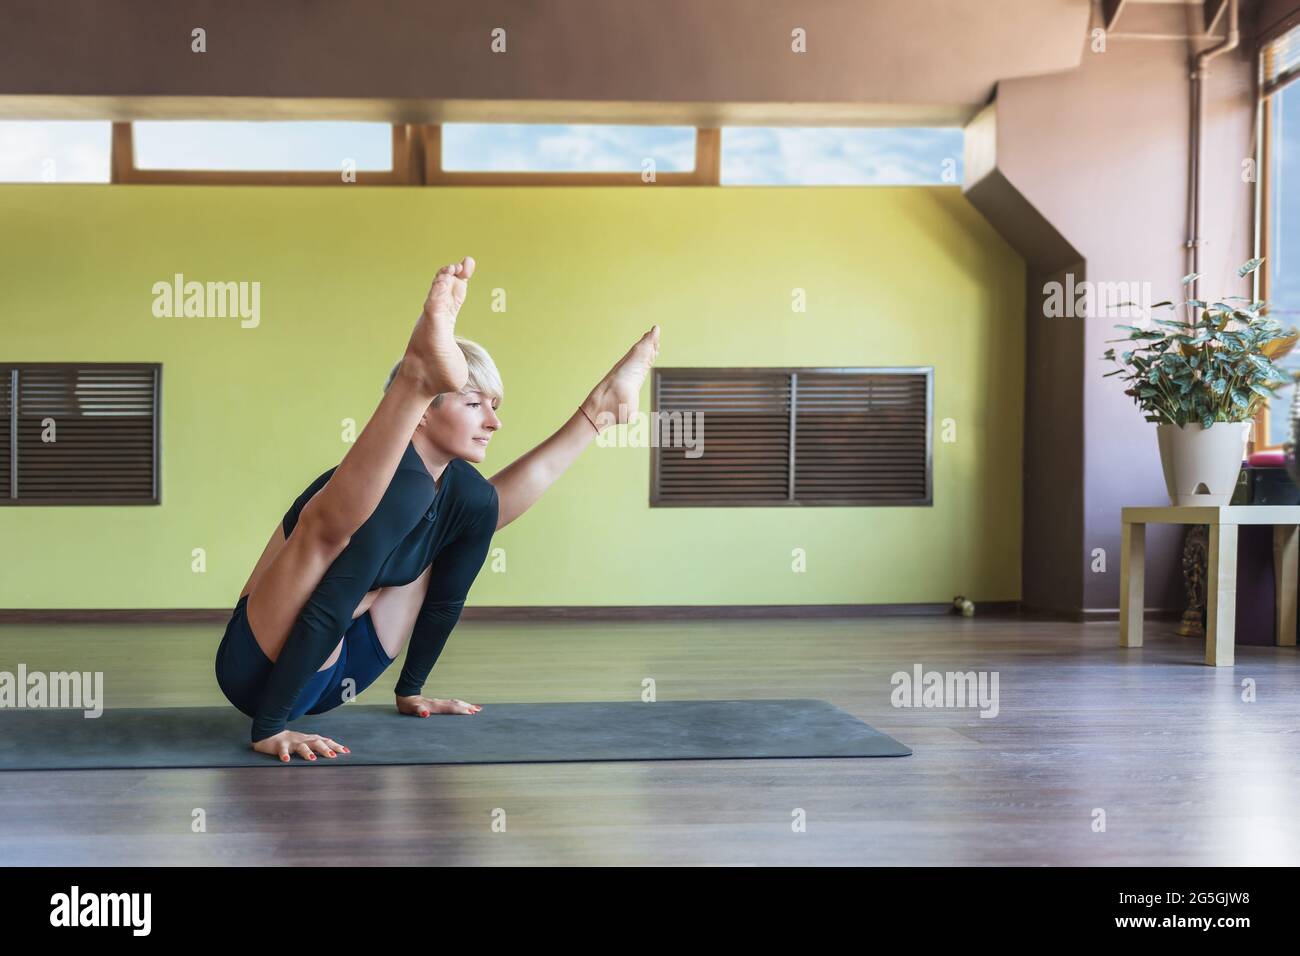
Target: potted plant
[(1202, 381)]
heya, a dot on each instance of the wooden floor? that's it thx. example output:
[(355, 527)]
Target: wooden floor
[(1185, 771)]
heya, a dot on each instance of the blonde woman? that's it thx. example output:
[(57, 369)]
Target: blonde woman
[(384, 547)]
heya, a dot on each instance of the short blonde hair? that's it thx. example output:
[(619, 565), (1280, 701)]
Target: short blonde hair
[(483, 374)]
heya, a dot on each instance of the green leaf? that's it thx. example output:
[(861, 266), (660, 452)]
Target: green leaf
[(1207, 421), (1249, 266), (1189, 278)]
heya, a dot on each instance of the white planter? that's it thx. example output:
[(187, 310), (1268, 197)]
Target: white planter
[(1201, 464)]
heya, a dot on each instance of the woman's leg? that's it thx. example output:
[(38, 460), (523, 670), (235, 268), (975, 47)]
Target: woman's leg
[(394, 610), (393, 615), (333, 515), (615, 397)]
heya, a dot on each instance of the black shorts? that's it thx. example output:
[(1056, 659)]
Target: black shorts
[(242, 667)]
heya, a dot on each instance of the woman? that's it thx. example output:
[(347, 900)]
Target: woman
[(385, 546)]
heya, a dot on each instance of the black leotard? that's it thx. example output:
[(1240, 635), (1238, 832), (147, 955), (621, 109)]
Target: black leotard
[(417, 523)]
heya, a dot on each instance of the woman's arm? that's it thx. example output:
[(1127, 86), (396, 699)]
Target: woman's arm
[(522, 482), (614, 400), (454, 570)]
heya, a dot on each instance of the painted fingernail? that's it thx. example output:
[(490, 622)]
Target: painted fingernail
[(311, 756), (284, 756), (346, 751), (424, 713)]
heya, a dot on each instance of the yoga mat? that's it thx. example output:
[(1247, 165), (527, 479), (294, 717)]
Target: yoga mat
[(49, 739)]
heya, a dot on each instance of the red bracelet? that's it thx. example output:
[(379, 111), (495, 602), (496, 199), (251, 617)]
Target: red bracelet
[(593, 424)]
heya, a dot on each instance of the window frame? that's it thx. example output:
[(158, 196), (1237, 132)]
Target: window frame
[(1263, 200), (417, 161)]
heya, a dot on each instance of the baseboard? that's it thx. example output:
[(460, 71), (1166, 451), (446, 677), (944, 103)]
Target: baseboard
[(631, 612), (1089, 615)]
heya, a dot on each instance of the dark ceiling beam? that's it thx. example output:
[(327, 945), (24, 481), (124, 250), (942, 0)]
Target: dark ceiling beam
[(908, 53)]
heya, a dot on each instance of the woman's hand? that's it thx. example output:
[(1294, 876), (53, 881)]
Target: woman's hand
[(288, 742), (418, 706)]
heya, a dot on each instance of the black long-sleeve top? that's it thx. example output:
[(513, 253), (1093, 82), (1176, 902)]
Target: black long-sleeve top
[(418, 522)]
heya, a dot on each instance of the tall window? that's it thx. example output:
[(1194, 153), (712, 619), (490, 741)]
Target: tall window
[(1280, 226)]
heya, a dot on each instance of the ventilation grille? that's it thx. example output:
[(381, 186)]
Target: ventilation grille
[(8, 382), (791, 437), (746, 439), (861, 437), (82, 434)]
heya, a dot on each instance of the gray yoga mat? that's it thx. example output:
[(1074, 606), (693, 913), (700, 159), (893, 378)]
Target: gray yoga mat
[(499, 733)]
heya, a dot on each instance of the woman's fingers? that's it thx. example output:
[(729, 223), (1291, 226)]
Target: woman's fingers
[(321, 746)]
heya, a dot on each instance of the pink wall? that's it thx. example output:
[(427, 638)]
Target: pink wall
[(1101, 153)]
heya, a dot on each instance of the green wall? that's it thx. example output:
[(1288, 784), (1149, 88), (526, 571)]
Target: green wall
[(894, 276)]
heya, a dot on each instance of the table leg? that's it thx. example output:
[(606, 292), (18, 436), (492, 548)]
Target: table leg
[(1132, 569), (1286, 564), (1221, 596)]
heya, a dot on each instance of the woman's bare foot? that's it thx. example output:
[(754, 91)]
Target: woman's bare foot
[(619, 393), (433, 362)]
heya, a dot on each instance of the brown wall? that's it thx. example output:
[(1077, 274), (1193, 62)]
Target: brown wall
[(896, 52)]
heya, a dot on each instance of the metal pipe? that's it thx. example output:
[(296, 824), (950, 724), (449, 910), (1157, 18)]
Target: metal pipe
[(1199, 74)]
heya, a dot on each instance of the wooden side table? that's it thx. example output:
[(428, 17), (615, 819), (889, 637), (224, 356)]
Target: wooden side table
[(1221, 583)]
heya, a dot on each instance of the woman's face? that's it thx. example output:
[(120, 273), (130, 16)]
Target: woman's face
[(462, 425)]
